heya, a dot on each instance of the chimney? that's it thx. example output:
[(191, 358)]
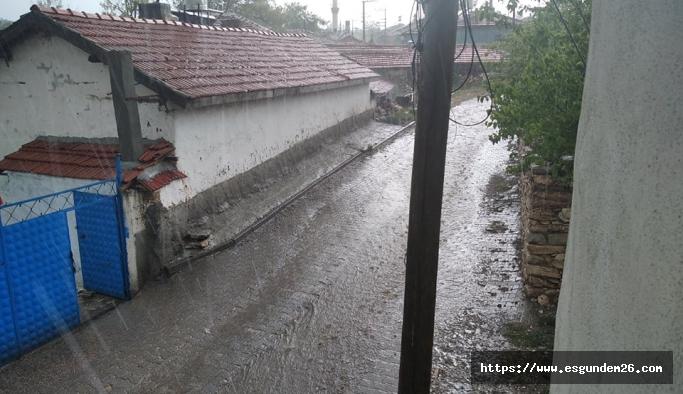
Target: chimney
[(335, 16), (347, 28), (154, 10)]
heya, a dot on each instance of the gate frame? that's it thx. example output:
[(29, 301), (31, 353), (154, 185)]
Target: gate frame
[(28, 208)]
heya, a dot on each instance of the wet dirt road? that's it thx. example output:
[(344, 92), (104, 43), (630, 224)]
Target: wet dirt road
[(312, 301)]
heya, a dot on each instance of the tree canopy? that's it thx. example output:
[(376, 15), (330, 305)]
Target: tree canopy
[(279, 18), (50, 3), (121, 7), (4, 23), (537, 91), (291, 16)]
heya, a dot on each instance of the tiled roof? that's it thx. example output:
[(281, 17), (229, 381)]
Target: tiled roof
[(83, 159), (394, 56), (381, 87), (231, 19), (160, 180), (204, 61)]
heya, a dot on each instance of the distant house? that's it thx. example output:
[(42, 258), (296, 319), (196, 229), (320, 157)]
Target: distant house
[(394, 62), (198, 106), (484, 32), (231, 19)]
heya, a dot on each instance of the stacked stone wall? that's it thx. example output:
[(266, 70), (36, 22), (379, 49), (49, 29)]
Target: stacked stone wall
[(546, 210)]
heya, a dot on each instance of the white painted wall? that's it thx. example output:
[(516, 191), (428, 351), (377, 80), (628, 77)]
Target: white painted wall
[(622, 287), (50, 88), (133, 208), (216, 143), (18, 186)]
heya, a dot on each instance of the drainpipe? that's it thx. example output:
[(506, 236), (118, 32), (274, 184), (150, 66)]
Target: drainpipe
[(122, 79)]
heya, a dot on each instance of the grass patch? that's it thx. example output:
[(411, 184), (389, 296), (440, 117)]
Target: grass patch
[(538, 335), (400, 116), (499, 184), (471, 90)]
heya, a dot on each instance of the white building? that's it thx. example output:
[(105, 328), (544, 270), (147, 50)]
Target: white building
[(222, 101)]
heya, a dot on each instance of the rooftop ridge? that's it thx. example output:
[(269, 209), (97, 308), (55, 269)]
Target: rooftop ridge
[(107, 17)]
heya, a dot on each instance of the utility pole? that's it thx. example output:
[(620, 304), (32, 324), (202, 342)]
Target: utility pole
[(426, 194), (335, 16), (385, 20), (365, 1)]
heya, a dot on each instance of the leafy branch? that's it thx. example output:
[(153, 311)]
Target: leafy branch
[(539, 86)]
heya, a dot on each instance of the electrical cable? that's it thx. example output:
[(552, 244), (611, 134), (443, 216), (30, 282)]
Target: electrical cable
[(580, 11), (569, 33), (468, 25), (464, 43), (416, 10)]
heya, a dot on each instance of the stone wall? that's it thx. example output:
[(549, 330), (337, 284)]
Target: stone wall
[(546, 207)]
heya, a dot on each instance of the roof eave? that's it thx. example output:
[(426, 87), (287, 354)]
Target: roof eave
[(274, 93)]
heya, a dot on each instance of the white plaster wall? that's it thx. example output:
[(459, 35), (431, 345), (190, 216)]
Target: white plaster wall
[(176, 192), (18, 186), (50, 88), (622, 287), (133, 208), (216, 143)]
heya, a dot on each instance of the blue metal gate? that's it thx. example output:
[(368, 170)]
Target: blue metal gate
[(38, 295), (40, 278), (97, 221)]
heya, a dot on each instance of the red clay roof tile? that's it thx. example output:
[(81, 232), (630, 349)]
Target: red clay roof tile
[(200, 62), (394, 56), (83, 160), (161, 179)]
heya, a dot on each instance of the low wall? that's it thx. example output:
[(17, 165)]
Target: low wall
[(546, 209), (216, 215)]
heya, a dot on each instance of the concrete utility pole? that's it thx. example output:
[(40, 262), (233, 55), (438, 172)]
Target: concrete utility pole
[(622, 280), (385, 20), (365, 1), (431, 134), (335, 16), (122, 78)]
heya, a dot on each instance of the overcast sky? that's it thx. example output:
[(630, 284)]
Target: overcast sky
[(348, 9)]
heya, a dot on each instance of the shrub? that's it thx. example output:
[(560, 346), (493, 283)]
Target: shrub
[(537, 91)]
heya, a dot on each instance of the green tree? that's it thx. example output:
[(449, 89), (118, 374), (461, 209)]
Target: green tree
[(51, 3), (297, 16), (4, 23), (266, 12), (537, 92), (121, 7)]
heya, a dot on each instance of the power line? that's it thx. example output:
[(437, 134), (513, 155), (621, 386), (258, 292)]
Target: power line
[(569, 33), (580, 11), (416, 11), (475, 50)]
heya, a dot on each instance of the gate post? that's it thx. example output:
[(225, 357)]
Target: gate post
[(121, 220), (9, 339)]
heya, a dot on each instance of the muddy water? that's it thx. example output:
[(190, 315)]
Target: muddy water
[(312, 301)]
